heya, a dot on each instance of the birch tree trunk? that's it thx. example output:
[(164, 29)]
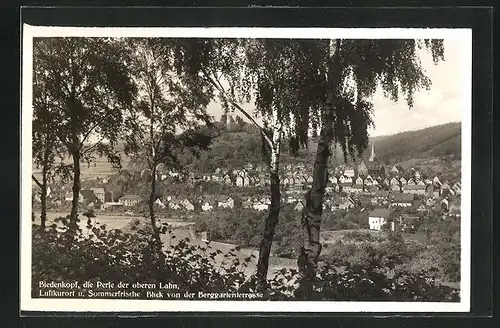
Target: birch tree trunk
[(310, 247), (156, 230), (274, 209)]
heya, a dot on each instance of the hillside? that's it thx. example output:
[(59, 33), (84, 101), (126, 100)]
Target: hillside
[(435, 141), (236, 146)]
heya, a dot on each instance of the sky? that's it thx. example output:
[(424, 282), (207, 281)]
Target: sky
[(442, 104)]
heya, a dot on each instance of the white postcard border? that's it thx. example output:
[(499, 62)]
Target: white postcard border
[(99, 305)]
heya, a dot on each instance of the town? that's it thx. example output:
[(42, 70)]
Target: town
[(396, 197)]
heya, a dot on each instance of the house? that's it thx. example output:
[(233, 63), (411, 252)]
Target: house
[(394, 182), (437, 181), (396, 188), (445, 190), (398, 199), (454, 210), (429, 191), (346, 187), (403, 180), (69, 197), (379, 217), (357, 188), (174, 204), (375, 169), (89, 198), (444, 204), (362, 169), (380, 197), (396, 170), (261, 182), (100, 194), (358, 181), (260, 206), (158, 202), (414, 189), (411, 182), (227, 179), (240, 181), (187, 204), (349, 172), (299, 206), (225, 202), (130, 200), (343, 204), (331, 187), (346, 179)]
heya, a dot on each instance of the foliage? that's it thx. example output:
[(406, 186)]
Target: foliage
[(63, 254), (86, 85), (390, 253)]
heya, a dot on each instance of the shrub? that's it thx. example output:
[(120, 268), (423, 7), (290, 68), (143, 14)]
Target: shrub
[(65, 252)]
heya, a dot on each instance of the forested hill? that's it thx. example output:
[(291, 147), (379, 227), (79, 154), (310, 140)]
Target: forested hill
[(237, 145), (435, 141)]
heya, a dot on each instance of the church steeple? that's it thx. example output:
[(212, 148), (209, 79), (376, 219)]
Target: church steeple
[(372, 156)]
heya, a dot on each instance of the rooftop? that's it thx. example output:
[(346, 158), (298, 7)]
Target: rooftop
[(381, 213)]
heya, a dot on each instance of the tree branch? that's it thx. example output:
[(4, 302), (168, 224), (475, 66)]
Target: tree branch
[(36, 181)]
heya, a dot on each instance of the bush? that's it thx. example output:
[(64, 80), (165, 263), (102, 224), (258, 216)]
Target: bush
[(63, 252)]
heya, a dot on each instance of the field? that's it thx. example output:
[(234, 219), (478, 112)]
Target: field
[(98, 168)]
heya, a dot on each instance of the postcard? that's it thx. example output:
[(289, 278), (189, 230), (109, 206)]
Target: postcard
[(245, 169)]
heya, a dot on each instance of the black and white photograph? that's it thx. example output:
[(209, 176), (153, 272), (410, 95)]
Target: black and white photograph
[(246, 169)]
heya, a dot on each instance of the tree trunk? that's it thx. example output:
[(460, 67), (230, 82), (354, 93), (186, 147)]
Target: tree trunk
[(267, 237), (274, 209), (76, 186), (310, 247), (152, 195), (311, 214), (43, 195), (45, 172)]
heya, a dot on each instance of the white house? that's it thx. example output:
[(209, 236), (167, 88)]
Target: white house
[(160, 203), (349, 172), (259, 206), (186, 203), (130, 200), (299, 206), (239, 181), (206, 206), (225, 202), (379, 217)]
